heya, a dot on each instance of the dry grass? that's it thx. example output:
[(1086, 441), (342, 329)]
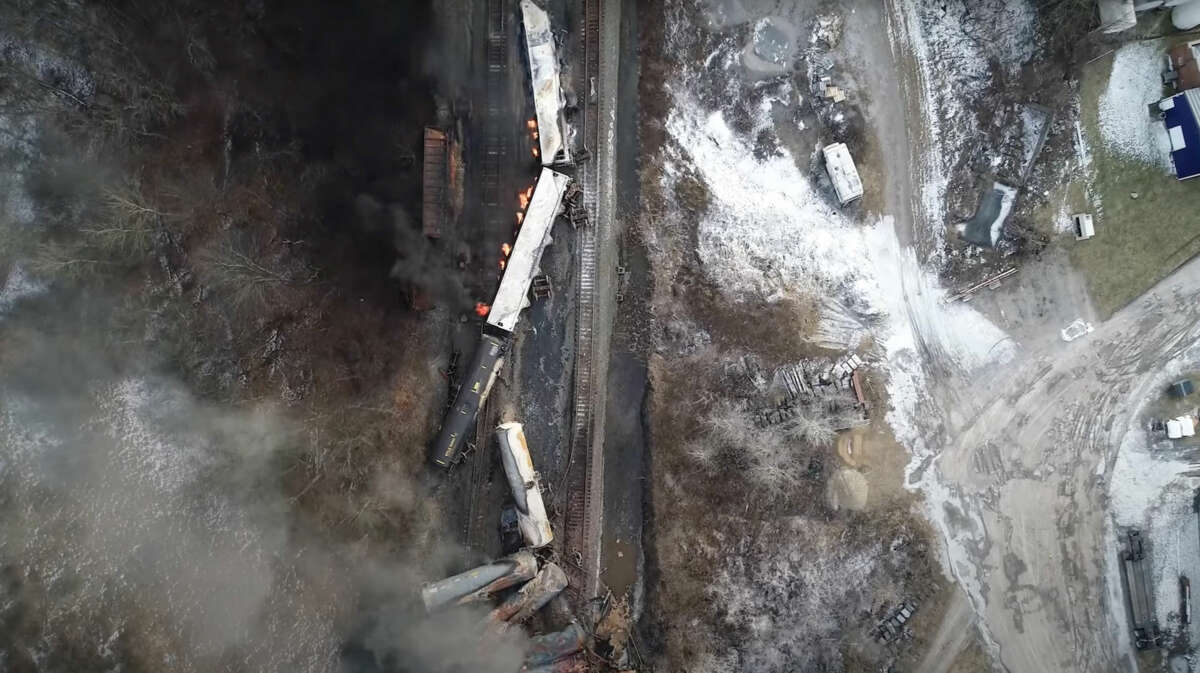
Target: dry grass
[(1138, 241)]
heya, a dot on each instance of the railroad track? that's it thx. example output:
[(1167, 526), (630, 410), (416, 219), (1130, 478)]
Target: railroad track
[(479, 467), (495, 152), (494, 149), (576, 479)]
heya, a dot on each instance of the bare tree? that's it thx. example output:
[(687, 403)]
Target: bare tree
[(244, 267)]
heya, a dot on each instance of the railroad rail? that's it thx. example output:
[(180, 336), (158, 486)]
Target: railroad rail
[(497, 213), (990, 283), (580, 539), (479, 464), (494, 147)]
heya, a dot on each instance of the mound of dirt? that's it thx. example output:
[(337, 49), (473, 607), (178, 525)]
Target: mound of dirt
[(847, 489)]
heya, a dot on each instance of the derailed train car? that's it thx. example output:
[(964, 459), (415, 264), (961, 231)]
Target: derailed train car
[(523, 480), (548, 99), (524, 263), (477, 380)]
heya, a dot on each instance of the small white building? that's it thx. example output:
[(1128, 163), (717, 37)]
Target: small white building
[(1085, 228), (842, 172)]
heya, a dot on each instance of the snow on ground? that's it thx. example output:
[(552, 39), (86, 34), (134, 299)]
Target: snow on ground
[(1008, 197), (769, 227), (772, 226), (765, 220), (1125, 122), (1150, 489), (952, 60)]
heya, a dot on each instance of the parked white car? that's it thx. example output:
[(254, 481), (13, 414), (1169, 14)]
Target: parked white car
[(1076, 329)]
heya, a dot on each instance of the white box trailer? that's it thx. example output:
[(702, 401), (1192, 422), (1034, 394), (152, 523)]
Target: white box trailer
[(1085, 228), (842, 172)]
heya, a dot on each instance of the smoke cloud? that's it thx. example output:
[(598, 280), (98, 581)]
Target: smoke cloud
[(142, 527)]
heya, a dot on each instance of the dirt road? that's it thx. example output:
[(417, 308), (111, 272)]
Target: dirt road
[(1024, 450), (952, 635), (1028, 458)]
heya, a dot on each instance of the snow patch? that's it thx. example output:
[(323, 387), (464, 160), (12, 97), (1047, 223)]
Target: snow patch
[(19, 285), (1125, 122), (1008, 196), (954, 44), (766, 226)]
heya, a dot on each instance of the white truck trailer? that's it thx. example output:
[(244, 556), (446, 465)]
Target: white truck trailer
[(842, 172)]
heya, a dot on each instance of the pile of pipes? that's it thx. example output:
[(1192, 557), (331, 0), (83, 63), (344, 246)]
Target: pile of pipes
[(520, 589), (805, 379), (518, 584)]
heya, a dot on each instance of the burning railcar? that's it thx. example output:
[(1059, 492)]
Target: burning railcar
[(522, 264), (552, 130)]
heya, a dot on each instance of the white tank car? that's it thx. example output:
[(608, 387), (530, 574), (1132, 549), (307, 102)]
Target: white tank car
[(525, 260), (553, 147), (518, 467)]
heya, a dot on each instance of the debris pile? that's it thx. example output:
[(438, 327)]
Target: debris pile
[(835, 384), (893, 625), (521, 584)]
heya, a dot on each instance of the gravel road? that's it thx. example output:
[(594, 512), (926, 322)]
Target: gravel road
[(1028, 454), (1025, 450)]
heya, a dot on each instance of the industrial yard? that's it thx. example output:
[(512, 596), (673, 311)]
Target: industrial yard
[(599, 335)]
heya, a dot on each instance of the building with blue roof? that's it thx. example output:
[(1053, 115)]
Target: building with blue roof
[(1181, 116)]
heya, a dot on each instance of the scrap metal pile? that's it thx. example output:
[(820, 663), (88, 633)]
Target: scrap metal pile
[(836, 383), (524, 582)]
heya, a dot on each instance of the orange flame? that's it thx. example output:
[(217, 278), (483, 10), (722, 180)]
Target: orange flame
[(506, 249), (520, 218), (535, 152), (482, 309), (531, 124), (503, 264), (523, 197)]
